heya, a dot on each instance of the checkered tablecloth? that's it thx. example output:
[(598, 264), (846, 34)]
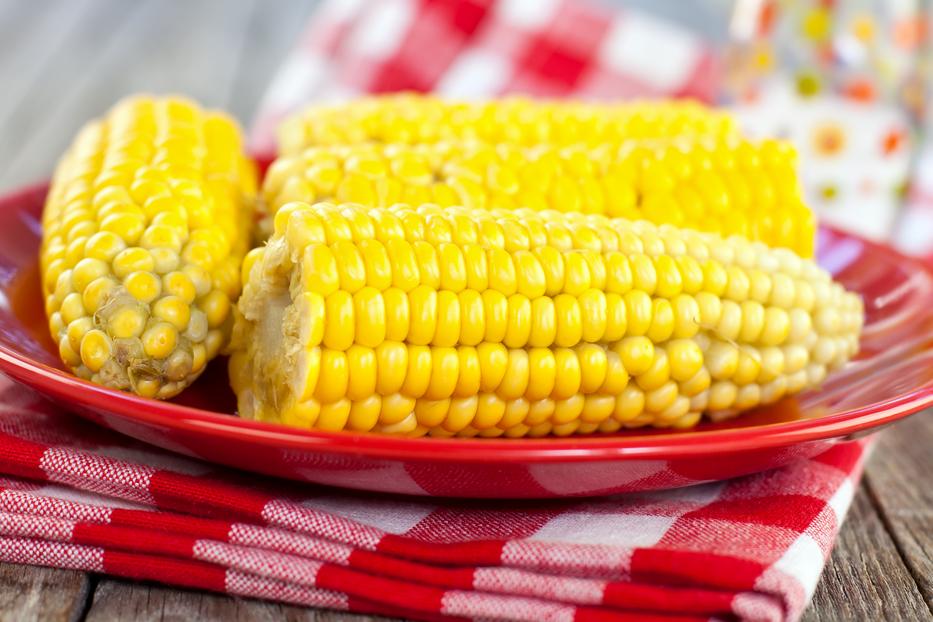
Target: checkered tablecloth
[(73, 495), (483, 48)]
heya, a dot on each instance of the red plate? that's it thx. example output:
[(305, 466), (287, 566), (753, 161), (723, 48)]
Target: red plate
[(892, 378)]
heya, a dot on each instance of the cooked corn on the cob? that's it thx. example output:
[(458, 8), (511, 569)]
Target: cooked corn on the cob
[(144, 229), (409, 118), (457, 321), (728, 186)]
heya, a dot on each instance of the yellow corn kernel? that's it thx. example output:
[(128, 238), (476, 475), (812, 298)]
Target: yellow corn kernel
[(86, 271), (96, 349), (216, 307), (76, 331), (159, 340), (143, 286), (127, 322)]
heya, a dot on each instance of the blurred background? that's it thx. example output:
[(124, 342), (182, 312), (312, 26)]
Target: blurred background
[(846, 80)]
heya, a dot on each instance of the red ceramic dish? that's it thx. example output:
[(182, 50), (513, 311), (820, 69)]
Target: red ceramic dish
[(892, 378)]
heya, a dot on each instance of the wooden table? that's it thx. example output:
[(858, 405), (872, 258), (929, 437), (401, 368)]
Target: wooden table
[(65, 61)]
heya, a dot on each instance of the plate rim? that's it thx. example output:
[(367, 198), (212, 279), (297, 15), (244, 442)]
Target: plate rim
[(661, 446)]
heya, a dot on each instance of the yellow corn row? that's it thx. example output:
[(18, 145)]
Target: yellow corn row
[(456, 321), (730, 186), (144, 229), (410, 118)]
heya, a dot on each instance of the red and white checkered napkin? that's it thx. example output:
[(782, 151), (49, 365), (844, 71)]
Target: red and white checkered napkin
[(483, 48), (76, 496)]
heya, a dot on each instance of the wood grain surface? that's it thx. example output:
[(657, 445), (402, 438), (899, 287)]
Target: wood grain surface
[(65, 61)]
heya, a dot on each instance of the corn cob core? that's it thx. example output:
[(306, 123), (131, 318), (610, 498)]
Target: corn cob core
[(144, 229), (730, 186), (451, 321), (409, 118)]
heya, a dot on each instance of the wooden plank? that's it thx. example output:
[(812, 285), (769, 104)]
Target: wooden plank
[(17, 20), (897, 480), (272, 33), (43, 119), (190, 47), (123, 600), (47, 594), (32, 42), (186, 47), (865, 578)]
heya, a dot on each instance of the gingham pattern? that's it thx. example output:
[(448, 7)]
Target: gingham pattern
[(73, 495), (482, 48)]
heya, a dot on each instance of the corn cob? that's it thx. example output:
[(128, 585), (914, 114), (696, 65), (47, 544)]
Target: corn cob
[(144, 229), (452, 321), (730, 186), (409, 118)]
